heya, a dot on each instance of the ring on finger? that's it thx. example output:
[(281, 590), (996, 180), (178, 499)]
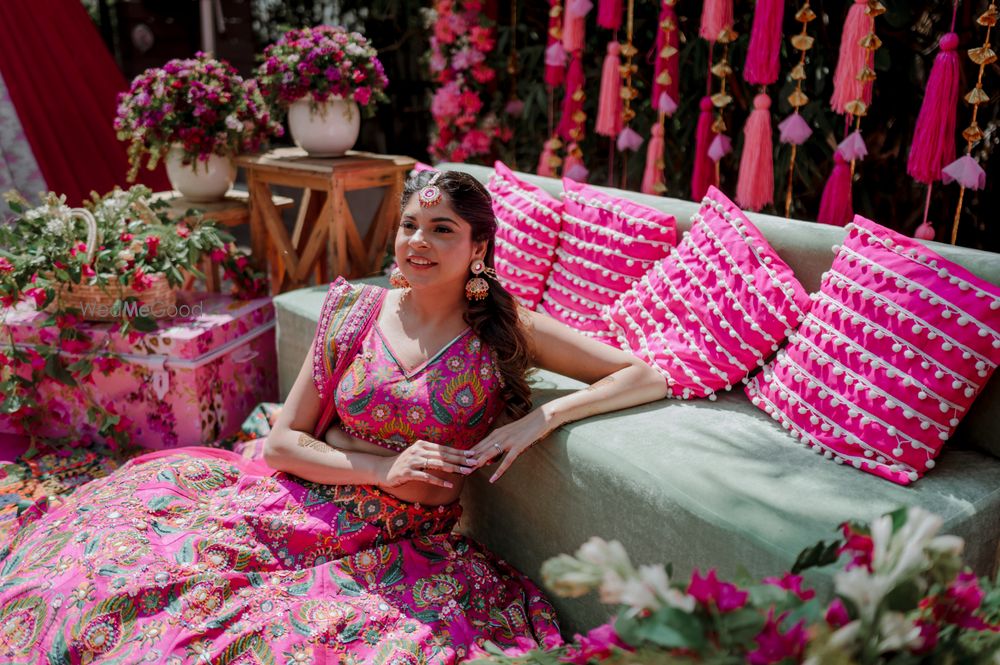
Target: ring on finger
[(499, 449), (423, 467)]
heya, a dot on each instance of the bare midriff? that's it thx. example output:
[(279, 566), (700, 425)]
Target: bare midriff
[(413, 492)]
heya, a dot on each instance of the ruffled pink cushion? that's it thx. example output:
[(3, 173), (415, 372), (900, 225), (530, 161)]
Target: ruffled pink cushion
[(713, 310), (896, 346), (528, 221), (605, 245)]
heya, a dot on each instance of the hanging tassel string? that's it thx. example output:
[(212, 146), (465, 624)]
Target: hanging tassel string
[(794, 129), (965, 170), (628, 138)]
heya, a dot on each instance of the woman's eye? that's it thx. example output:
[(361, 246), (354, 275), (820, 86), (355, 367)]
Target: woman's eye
[(408, 225), (443, 229)]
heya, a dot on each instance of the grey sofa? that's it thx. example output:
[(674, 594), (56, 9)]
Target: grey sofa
[(702, 483)]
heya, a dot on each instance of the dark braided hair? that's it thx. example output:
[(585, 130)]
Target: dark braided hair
[(495, 319)]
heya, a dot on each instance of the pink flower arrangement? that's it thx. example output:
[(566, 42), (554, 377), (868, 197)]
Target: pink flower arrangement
[(322, 62), (462, 41), (200, 105), (901, 597)]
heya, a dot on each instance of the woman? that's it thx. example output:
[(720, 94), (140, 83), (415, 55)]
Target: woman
[(345, 553)]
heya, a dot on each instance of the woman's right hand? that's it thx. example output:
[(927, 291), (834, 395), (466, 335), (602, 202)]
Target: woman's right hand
[(418, 461)]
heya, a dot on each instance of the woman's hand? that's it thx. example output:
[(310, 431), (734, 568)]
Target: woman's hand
[(511, 440), (416, 462)]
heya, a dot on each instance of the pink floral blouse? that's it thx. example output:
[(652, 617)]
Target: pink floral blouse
[(452, 399)]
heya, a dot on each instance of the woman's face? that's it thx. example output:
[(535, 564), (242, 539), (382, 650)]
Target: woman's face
[(434, 246)]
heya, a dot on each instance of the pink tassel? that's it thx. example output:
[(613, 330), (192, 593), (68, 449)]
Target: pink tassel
[(853, 58), (572, 102), (853, 147), (755, 187), (966, 171), (671, 65), (716, 16), (652, 177), (574, 168), (836, 207), (666, 104), (629, 139), (721, 146), (548, 161), (762, 65), (703, 175), (609, 14), (794, 129), (934, 139), (575, 25), (925, 231), (609, 103)]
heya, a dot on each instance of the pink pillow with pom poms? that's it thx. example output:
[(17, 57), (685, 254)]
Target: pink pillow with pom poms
[(605, 245), (528, 221), (715, 309), (897, 344)]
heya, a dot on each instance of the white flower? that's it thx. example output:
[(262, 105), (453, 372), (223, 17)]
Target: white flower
[(865, 589), (612, 588), (898, 633), (638, 596), (55, 227), (599, 552), (126, 256), (233, 123)]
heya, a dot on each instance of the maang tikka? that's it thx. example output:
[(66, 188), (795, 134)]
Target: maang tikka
[(430, 195)]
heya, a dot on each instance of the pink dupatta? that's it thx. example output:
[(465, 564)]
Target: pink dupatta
[(347, 315)]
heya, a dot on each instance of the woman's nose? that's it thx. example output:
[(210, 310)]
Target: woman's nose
[(417, 238)]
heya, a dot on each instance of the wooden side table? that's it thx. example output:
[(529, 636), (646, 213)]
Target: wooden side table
[(325, 231), (233, 210)]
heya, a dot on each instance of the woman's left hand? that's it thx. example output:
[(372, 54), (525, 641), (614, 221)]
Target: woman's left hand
[(511, 440)]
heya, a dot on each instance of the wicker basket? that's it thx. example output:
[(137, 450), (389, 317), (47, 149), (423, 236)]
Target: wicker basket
[(96, 303)]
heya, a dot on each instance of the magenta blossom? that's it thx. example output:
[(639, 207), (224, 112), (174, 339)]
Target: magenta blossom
[(710, 591), (773, 646), (791, 583), (836, 614), (597, 644), (858, 545)]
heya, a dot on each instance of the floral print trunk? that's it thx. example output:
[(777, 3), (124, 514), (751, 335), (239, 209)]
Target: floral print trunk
[(202, 556)]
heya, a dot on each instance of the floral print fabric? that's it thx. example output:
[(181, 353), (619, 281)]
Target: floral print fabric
[(452, 398), (195, 557)]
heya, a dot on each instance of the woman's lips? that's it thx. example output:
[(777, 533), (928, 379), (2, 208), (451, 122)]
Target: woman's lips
[(422, 265)]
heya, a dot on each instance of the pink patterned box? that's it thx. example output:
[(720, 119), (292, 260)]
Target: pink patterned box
[(190, 383)]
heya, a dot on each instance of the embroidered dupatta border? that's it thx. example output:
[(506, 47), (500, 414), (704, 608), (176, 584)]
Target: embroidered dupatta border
[(346, 316)]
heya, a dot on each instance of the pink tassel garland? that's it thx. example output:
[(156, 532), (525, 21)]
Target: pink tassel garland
[(836, 207), (555, 65), (933, 144), (755, 187), (572, 102), (670, 66), (852, 59), (762, 64), (703, 175), (548, 161), (652, 176), (609, 103), (575, 24), (609, 14), (716, 16)]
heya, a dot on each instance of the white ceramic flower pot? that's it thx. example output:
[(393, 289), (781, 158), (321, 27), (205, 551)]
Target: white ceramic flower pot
[(329, 131), (201, 182)]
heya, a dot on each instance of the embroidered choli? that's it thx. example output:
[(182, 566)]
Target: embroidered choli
[(453, 398)]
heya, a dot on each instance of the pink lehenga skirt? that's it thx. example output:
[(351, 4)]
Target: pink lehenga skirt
[(202, 556)]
